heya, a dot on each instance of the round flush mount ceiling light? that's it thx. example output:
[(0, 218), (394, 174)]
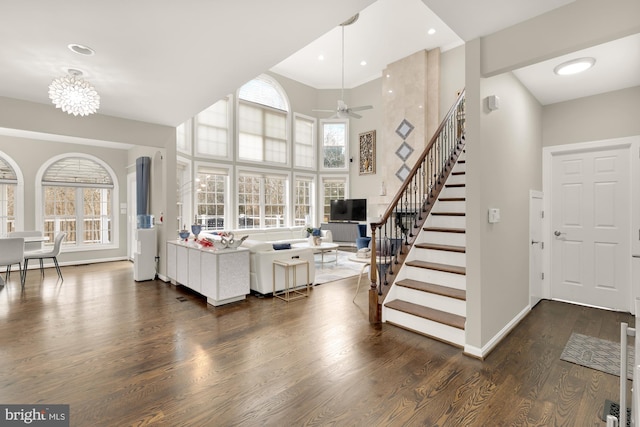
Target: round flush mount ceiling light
[(574, 66), (81, 50)]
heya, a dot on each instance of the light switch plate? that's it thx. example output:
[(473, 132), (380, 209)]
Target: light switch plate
[(494, 215)]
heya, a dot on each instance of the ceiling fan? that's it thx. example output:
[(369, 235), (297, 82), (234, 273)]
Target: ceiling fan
[(343, 110)]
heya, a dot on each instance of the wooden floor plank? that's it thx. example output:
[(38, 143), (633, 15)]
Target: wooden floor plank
[(122, 353)]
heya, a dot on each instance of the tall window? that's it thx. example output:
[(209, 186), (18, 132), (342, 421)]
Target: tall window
[(184, 190), (212, 130), (262, 122), (211, 197), (302, 202), (8, 186), (335, 143), (333, 189), (262, 200), (304, 142), (183, 137), (78, 199)]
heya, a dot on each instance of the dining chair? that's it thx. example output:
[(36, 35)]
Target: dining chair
[(12, 252), (46, 253), (29, 246)]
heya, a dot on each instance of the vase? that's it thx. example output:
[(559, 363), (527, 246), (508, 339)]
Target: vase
[(317, 241)]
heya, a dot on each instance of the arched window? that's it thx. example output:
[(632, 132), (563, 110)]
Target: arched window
[(78, 197), (263, 114), (10, 196)]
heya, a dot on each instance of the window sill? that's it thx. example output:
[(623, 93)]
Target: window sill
[(67, 249)]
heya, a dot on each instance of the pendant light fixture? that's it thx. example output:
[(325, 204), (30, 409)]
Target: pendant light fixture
[(74, 95)]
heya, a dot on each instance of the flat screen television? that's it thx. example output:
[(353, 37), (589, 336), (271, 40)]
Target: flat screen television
[(348, 210)]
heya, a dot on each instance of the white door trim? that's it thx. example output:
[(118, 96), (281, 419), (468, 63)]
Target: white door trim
[(632, 142), (538, 288)]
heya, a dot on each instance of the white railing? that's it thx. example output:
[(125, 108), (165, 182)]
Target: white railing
[(625, 333)]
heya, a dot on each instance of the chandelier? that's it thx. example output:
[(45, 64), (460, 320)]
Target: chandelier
[(74, 95)]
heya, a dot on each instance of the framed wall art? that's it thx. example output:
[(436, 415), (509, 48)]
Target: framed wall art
[(367, 152)]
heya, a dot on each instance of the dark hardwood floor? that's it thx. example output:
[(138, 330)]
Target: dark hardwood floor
[(125, 353)]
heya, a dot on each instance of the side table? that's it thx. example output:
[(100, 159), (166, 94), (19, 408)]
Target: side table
[(288, 294), (366, 262)]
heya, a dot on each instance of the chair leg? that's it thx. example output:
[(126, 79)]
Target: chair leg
[(41, 267), (21, 274), (7, 273), (26, 263), (55, 261)]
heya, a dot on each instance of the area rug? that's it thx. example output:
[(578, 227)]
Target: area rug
[(329, 271), (596, 353)]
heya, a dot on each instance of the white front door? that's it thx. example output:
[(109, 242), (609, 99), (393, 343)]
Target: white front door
[(536, 276), (590, 226)]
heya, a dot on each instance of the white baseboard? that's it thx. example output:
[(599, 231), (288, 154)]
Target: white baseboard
[(483, 352), (49, 263)]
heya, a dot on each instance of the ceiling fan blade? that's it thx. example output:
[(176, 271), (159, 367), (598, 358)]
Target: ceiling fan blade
[(363, 107), (350, 113), (324, 111)]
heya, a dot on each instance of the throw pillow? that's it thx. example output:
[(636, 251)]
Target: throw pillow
[(281, 246)]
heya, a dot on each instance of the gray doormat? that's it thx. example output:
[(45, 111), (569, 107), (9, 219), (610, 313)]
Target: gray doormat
[(596, 353)]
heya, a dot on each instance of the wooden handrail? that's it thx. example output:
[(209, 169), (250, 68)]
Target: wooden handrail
[(418, 190), (415, 168)]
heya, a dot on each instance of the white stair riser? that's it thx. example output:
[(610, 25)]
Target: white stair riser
[(459, 167), (446, 221), (424, 326), (441, 257), (438, 302), (438, 237), (452, 280), (453, 192), (444, 206), (455, 179)]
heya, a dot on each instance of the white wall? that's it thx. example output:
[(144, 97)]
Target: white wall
[(452, 79), (593, 118), (504, 162)]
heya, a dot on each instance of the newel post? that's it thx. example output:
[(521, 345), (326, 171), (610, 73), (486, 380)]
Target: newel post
[(375, 315)]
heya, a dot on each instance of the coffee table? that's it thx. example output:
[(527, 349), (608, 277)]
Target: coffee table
[(321, 248)]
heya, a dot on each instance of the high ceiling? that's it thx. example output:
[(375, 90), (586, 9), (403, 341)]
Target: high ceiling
[(158, 61), (162, 61)]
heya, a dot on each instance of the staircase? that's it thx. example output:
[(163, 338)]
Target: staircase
[(428, 295)]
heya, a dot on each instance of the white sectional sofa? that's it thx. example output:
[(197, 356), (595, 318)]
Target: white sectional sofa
[(262, 254)]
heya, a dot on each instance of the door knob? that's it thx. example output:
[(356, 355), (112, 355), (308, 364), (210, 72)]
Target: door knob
[(533, 242), (557, 233)]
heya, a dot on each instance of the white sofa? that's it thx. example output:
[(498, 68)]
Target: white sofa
[(262, 254)]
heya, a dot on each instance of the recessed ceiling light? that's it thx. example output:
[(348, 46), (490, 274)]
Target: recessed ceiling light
[(574, 66), (363, 63), (81, 50), (320, 57), (75, 72), (431, 31)]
